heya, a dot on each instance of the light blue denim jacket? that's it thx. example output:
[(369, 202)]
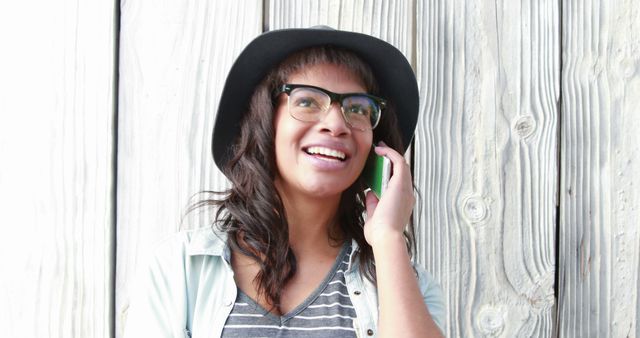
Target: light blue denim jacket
[(187, 290)]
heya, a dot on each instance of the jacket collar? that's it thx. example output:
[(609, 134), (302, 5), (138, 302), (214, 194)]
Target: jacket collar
[(209, 242), (353, 255)]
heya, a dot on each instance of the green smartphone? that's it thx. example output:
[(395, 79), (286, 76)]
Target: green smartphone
[(377, 172)]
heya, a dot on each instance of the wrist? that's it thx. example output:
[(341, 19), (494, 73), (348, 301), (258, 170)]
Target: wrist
[(388, 240)]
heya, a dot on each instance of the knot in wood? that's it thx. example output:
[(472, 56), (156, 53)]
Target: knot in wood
[(525, 126), (490, 321), (474, 209)]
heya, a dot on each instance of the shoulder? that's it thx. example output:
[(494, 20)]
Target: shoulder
[(166, 284), (202, 241), (179, 252), (432, 295)]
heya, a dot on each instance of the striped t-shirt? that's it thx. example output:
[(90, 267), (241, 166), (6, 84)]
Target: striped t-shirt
[(327, 312)]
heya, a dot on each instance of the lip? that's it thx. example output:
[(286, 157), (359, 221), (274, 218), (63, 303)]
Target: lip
[(330, 145), (327, 164)]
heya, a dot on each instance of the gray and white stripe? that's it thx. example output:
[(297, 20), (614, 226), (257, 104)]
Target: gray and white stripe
[(327, 312)]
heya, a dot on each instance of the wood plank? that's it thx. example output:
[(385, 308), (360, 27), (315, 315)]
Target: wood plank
[(599, 239), (391, 21), (486, 163), (56, 177), (174, 59)]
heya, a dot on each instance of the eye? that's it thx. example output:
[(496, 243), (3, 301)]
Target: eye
[(306, 102), (358, 109), (358, 105)]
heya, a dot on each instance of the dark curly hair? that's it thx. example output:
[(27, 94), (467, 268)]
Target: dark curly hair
[(251, 212)]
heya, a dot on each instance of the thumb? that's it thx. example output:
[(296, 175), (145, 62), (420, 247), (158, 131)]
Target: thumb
[(371, 202)]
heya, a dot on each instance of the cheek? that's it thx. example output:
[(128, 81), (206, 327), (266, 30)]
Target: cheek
[(365, 143), (287, 135), (277, 120), (364, 147), (280, 131)]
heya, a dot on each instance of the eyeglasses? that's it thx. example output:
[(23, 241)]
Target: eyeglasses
[(311, 104)]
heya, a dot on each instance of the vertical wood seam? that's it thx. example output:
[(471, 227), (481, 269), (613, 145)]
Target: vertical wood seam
[(556, 286), (265, 15), (114, 169)]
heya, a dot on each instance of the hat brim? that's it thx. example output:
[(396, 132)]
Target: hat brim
[(391, 69)]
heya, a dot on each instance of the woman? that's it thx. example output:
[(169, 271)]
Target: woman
[(290, 254)]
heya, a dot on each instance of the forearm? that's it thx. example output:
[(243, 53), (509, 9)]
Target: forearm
[(403, 312)]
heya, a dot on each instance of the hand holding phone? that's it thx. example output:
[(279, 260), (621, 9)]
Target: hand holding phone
[(388, 216), (377, 173)]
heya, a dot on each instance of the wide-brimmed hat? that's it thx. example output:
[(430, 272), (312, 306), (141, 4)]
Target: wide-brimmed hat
[(391, 69)]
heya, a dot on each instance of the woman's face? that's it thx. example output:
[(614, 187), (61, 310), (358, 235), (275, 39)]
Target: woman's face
[(308, 154)]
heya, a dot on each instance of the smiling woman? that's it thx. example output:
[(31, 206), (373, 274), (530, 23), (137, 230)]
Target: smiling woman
[(290, 252)]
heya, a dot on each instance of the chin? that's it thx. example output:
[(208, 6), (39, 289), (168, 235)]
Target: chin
[(324, 189)]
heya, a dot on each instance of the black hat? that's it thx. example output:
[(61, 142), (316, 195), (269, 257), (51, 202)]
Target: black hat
[(391, 69)]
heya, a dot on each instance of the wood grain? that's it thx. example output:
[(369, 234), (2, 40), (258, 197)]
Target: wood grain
[(486, 161), (600, 171), (174, 59), (485, 156), (391, 21), (56, 177)]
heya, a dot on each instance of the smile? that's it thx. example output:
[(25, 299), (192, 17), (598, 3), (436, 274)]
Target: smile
[(326, 153)]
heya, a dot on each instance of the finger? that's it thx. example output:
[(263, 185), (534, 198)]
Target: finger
[(371, 202), (390, 153), (400, 167)]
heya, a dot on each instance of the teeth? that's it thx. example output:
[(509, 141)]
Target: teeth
[(326, 152)]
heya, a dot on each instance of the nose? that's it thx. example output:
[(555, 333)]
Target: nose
[(334, 121)]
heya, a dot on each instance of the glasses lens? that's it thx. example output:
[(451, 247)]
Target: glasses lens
[(308, 104), (361, 111)]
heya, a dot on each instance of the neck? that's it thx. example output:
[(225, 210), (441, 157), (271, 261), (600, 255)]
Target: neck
[(311, 221)]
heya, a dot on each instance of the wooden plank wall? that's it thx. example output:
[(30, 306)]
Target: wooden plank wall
[(57, 68), (174, 57), (527, 108), (486, 161), (599, 239)]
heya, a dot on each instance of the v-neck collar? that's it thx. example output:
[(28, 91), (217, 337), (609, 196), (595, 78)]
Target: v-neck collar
[(281, 320)]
